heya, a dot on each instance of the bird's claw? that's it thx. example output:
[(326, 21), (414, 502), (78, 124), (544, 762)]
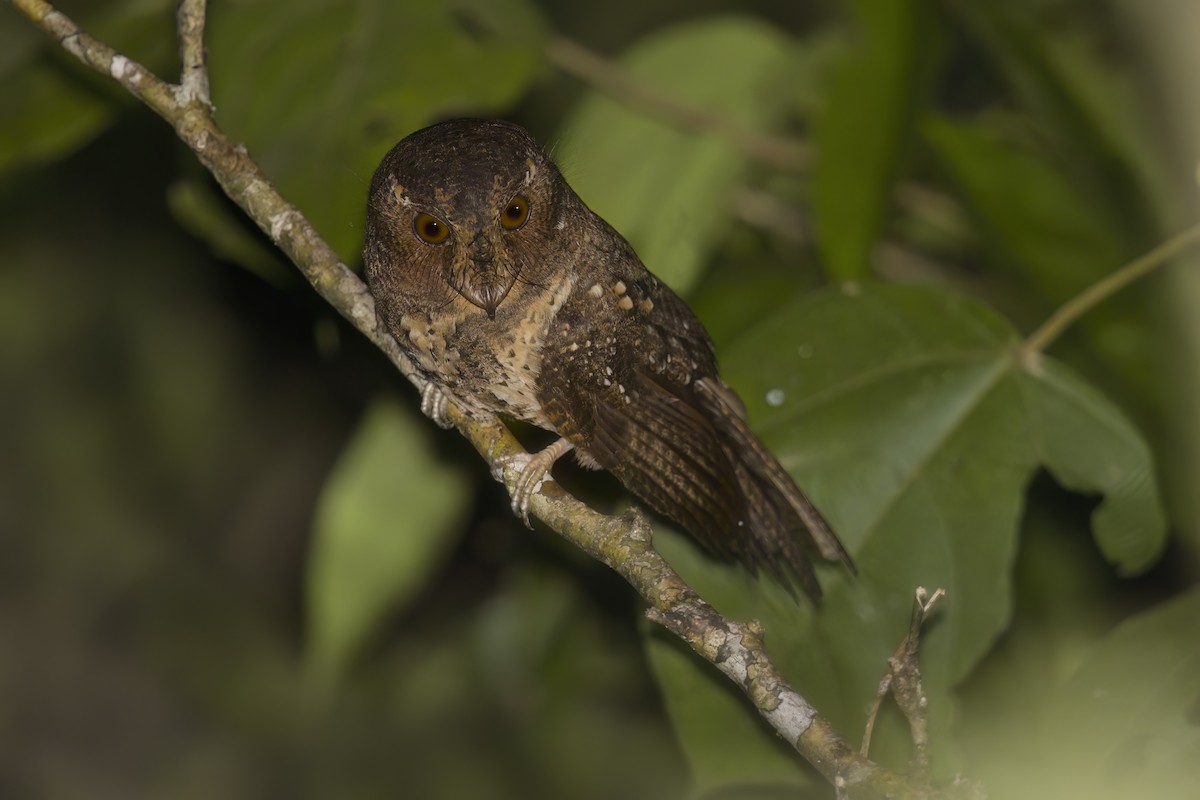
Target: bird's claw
[(535, 470), (534, 473), (434, 402), (528, 481)]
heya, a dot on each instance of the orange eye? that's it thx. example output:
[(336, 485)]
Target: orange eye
[(517, 213), (430, 229)]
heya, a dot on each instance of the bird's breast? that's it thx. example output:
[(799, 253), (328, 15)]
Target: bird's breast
[(489, 364), (517, 352)]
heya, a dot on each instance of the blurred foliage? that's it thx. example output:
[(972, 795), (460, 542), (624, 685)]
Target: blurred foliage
[(725, 66), (211, 492), (50, 104), (316, 93), (358, 567), (864, 128)]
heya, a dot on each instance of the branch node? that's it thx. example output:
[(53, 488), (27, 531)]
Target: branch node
[(70, 42), (638, 529), (925, 602)]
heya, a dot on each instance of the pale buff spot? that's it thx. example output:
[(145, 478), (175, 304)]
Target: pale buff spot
[(595, 291), (399, 192), (646, 305), (625, 303), (619, 287)]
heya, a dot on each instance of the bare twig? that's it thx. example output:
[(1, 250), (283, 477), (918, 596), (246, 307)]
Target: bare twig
[(193, 77), (903, 680), (623, 543), (575, 59)]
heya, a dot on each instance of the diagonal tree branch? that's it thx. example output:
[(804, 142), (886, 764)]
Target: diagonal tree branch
[(623, 543)]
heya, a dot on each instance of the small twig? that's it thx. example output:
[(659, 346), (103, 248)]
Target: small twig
[(909, 689), (903, 680), (575, 59), (193, 76), (885, 686), (1105, 288)]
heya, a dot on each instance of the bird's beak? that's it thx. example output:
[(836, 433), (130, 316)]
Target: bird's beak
[(482, 278)]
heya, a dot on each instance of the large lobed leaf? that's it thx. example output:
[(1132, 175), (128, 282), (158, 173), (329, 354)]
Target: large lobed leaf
[(907, 416)]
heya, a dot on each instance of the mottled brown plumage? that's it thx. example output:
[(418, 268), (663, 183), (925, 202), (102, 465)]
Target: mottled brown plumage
[(511, 296)]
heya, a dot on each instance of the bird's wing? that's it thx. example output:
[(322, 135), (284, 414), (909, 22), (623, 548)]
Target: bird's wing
[(721, 401), (637, 393)]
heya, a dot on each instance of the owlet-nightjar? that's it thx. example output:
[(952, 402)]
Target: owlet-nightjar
[(512, 297)]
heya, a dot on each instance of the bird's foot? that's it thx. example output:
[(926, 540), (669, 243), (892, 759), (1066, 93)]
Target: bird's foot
[(434, 402), (534, 472)]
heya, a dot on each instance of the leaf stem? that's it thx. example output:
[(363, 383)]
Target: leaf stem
[(1098, 292)]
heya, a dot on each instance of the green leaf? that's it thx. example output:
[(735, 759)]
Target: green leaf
[(906, 416), (1043, 225), (1089, 446), (319, 90), (863, 131), (204, 213), (48, 115), (383, 523), (668, 191)]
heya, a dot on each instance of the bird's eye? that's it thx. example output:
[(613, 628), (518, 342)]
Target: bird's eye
[(516, 214), (430, 229)]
